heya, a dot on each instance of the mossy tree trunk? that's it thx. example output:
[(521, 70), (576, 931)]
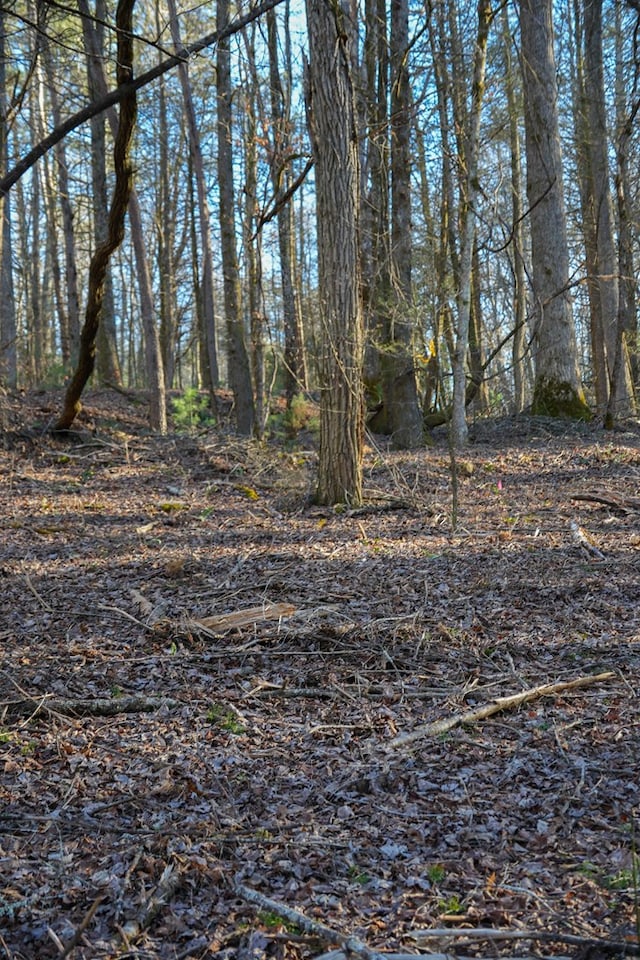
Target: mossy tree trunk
[(557, 390)]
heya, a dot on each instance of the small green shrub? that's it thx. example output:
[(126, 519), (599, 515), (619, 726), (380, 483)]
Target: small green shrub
[(191, 410)]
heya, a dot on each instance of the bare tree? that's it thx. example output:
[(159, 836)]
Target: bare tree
[(152, 350), (517, 232)]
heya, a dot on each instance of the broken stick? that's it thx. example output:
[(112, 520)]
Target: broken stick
[(496, 706)]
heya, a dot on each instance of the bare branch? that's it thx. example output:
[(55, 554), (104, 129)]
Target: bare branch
[(125, 89)]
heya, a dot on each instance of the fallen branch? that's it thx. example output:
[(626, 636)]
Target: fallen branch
[(496, 706), (623, 504), (544, 936), (224, 622), (98, 707), (167, 886), (352, 945), (77, 937)]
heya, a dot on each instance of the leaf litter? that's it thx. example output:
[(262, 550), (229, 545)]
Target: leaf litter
[(207, 691)]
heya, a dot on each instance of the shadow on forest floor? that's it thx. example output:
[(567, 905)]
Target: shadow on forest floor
[(150, 769)]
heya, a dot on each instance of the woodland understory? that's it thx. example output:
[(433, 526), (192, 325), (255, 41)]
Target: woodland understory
[(210, 686)]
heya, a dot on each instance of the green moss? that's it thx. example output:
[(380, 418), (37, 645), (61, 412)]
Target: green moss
[(557, 398)]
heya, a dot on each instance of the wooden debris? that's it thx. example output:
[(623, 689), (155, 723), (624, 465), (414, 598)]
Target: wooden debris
[(224, 622), (622, 504), (352, 945), (605, 947), (98, 707), (496, 706), (166, 888)]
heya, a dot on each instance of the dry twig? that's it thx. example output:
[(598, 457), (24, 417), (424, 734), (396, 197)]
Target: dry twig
[(496, 706)]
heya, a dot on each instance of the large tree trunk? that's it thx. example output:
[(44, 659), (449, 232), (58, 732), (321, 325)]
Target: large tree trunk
[(557, 390), (237, 358), (606, 278), (117, 214), (335, 143), (400, 391), (626, 119)]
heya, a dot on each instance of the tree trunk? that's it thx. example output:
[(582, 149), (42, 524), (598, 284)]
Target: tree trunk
[(152, 350), (557, 389), (207, 303), (166, 230), (295, 375), (599, 360), (517, 233), (331, 107), (606, 277), (238, 360), (252, 236), (626, 118), (400, 391), (71, 334), (117, 214), (374, 214), (471, 193), (8, 330), (107, 360)]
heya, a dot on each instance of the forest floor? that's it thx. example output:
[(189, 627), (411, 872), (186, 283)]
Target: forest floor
[(210, 686)]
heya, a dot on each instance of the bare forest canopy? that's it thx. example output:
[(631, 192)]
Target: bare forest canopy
[(472, 170), (115, 96)]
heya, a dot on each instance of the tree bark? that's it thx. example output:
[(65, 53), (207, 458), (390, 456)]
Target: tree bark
[(517, 233), (117, 214), (207, 303), (400, 391), (295, 374), (252, 236), (606, 278), (471, 193), (332, 113), (238, 369), (625, 121), (557, 390), (107, 360), (8, 331), (152, 350)]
